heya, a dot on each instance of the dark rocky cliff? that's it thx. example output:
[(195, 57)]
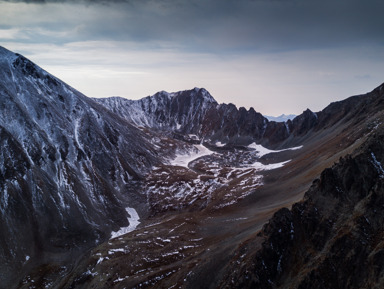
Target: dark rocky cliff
[(334, 238), (66, 164)]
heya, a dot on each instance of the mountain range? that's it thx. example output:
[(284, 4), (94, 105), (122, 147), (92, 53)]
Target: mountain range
[(177, 191)]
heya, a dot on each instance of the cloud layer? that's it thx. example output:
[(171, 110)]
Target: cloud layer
[(215, 25)]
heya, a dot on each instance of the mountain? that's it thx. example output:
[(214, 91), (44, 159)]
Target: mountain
[(66, 167), (177, 191), (196, 112), (191, 112), (280, 118), (333, 238)]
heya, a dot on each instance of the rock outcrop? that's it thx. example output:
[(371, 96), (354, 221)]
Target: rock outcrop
[(332, 239)]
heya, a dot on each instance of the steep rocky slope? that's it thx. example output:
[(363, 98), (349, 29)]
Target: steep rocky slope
[(66, 164), (332, 239)]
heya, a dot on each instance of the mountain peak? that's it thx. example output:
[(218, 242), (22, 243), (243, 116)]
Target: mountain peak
[(204, 94), (6, 54), (5, 51)]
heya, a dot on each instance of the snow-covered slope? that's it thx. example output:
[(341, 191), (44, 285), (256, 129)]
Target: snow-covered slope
[(66, 164)]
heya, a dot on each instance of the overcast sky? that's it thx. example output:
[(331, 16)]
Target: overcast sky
[(278, 56)]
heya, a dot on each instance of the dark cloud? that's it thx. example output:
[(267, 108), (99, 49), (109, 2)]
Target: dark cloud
[(225, 26)]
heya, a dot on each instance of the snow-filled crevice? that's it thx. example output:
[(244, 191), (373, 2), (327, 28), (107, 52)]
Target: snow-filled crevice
[(133, 223)]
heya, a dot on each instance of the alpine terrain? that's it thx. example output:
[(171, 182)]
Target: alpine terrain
[(178, 191)]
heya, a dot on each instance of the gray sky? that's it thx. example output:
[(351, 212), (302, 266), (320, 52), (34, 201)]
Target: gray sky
[(278, 56)]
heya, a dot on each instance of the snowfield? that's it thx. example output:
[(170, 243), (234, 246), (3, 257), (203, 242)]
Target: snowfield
[(183, 160), (133, 223), (261, 151)]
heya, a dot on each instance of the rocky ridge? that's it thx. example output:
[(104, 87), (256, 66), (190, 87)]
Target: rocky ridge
[(331, 239), (194, 112), (66, 167)]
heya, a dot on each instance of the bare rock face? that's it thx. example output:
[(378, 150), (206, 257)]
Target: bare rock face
[(66, 165), (196, 112), (332, 239), (303, 123)]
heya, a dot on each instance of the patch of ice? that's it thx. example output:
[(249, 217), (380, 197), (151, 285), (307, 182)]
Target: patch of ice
[(133, 223), (219, 144), (89, 273), (183, 160), (377, 165), (262, 167), (120, 279), (112, 251), (163, 240), (101, 259), (193, 136), (261, 151), (170, 254)]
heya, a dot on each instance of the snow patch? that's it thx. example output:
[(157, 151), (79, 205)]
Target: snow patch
[(219, 144), (183, 160), (262, 167), (261, 151), (113, 251), (280, 118), (133, 223), (378, 166)]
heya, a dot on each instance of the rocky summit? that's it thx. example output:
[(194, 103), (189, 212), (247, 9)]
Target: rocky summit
[(178, 191)]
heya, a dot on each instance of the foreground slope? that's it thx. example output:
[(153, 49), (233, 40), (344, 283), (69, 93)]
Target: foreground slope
[(332, 239)]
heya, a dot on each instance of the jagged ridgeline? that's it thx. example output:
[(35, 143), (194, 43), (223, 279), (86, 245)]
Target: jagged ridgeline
[(175, 190)]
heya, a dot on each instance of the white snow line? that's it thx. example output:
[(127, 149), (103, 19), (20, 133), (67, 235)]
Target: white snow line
[(76, 133), (377, 165), (133, 223), (261, 151), (262, 167)]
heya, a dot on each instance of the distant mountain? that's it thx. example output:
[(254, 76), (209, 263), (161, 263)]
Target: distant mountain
[(196, 112), (281, 118)]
